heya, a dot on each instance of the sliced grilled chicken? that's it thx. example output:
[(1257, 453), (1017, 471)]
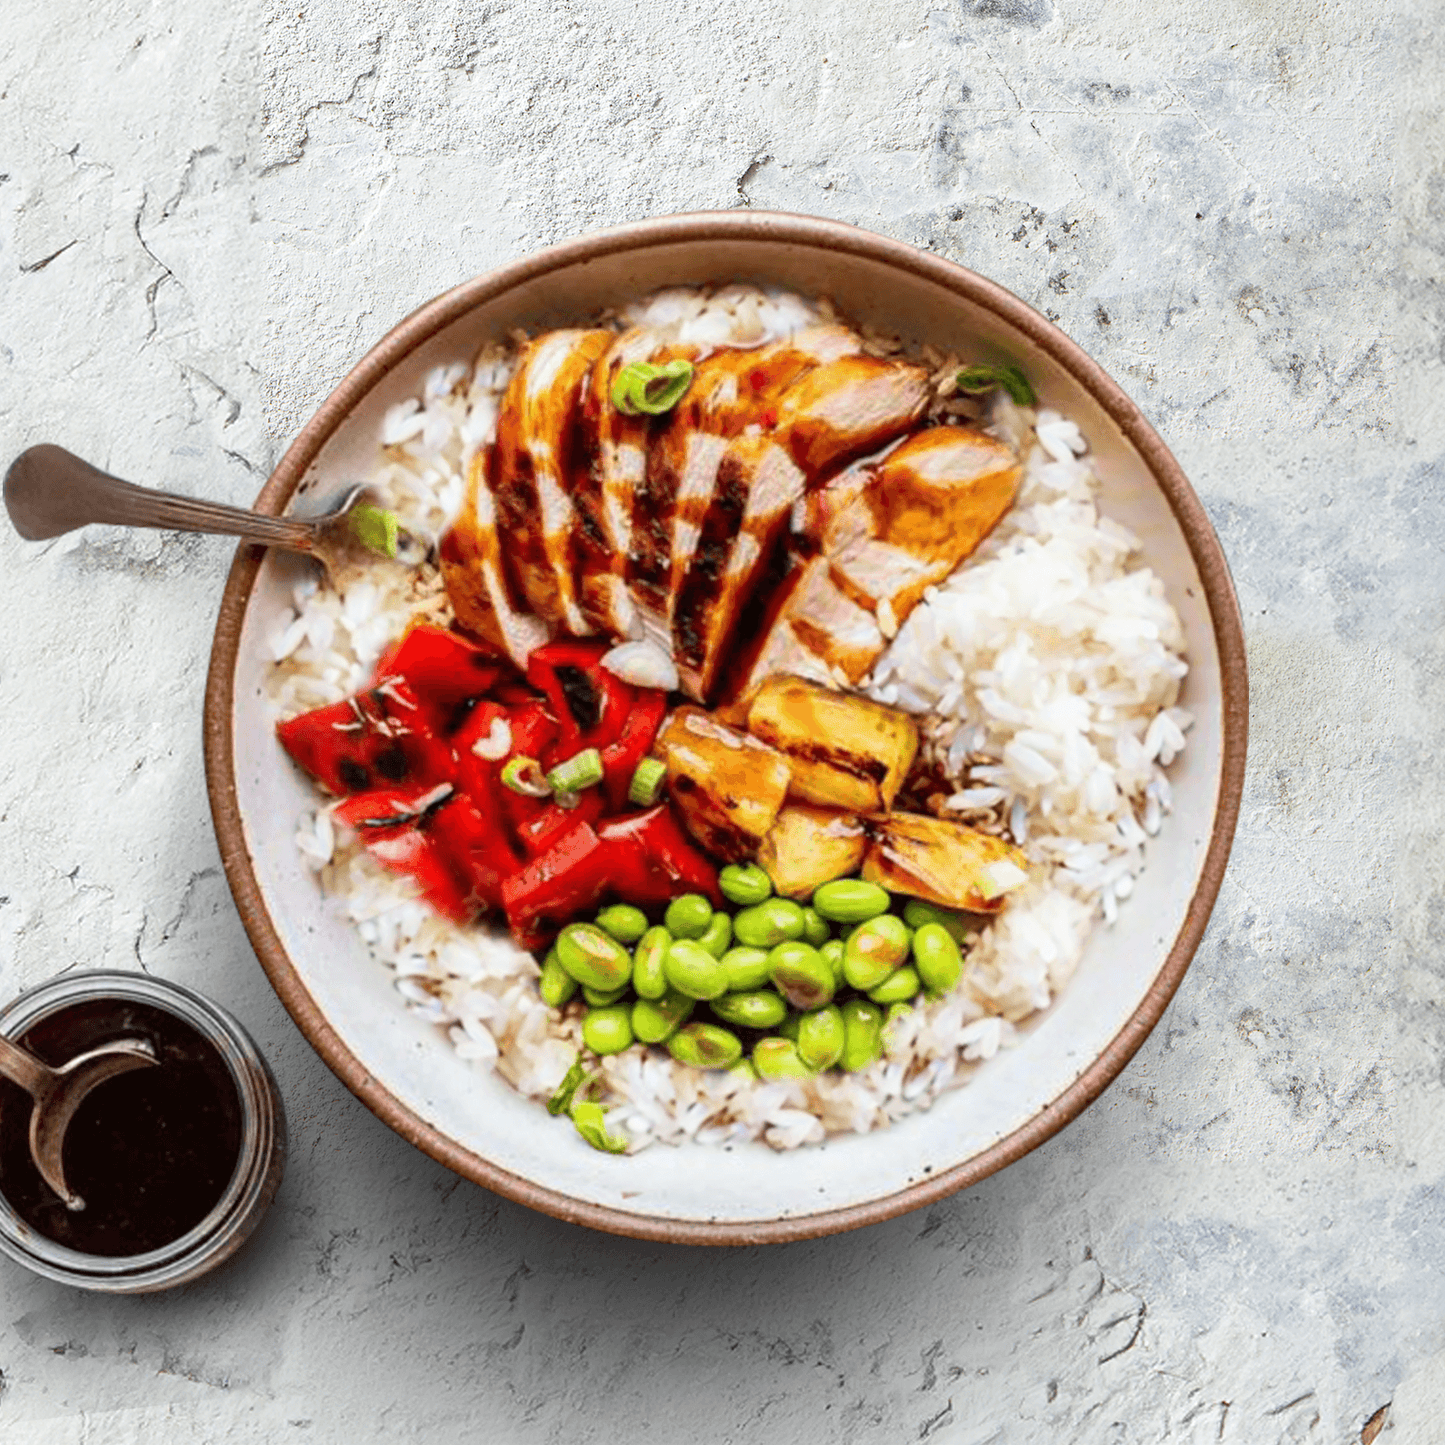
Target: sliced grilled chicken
[(731, 390), (482, 593), (832, 412), (813, 627), (604, 491), (533, 463), (884, 532), (893, 529), (848, 408)]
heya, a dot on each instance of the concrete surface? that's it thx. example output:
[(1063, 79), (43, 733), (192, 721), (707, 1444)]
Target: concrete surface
[(208, 210)]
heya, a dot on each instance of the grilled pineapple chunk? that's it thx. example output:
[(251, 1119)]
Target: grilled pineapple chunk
[(844, 751), (727, 786), (810, 846), (943, 862)]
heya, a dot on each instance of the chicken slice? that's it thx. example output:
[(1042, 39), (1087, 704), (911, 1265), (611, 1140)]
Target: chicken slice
[(533, 463), (616, 445), (832, 412), (814, 630), (897, 527), (884, 531), (731, 390), (478, 584)]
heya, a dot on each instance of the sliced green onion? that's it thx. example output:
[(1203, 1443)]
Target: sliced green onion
[(975, 380), (524, 775), (375, 528), (584, 770), (591, 1122), (561, 1101), (646, 785), (643, 388)]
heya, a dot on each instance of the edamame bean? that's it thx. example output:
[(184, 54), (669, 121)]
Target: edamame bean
[(688, 916), (760, 1010), (744, 884), (747, 968), (654, 1020), (833, 952), (862, 1035), (647, 975), (719, 936), (777, 1058), (556, 985), (692, 970), (850, 900), (916, 913), (815, 928), (705, 1046), (767, 924), (744, 1070), (623, 922), (592, 958), (874, 949), (821, 1036), (936, 957), (900, 986), (801, 974), (608, 1030), (790, 1026), (603, 997)]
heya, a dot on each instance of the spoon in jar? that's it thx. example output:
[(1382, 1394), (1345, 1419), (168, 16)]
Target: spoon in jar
[(50, 491), (58, 1093)]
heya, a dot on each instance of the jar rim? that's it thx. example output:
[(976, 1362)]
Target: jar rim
[(260, 1153)]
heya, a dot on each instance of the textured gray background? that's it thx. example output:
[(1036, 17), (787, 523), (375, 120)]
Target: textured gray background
[(208, 210)]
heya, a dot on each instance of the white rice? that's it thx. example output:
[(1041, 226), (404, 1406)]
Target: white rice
[(1045, 673)]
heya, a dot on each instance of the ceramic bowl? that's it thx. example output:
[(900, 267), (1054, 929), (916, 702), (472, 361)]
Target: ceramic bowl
[(404, 1070)]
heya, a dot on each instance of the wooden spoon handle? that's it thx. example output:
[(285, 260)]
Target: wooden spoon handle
[(21, 1067)]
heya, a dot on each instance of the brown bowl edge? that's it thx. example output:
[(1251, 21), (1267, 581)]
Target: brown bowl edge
[(440, 312)]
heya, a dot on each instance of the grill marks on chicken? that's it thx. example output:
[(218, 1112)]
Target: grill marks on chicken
[(583, 519), (881, 533), (832, 413), (534, 463)]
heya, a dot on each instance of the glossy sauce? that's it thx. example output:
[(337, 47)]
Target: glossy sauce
[(151, 1152)]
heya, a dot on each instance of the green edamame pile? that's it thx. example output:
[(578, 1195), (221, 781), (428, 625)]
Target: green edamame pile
[(768, 985)]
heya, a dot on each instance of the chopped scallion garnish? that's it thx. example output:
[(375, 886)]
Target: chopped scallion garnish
[(591, 1122), (645, 389), (524, 775), (978, 379), (561, 1101), (646, 785), (584, 770), (375, 528)]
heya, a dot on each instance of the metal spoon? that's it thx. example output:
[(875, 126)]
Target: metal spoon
[(58, 1093), (50, 491)]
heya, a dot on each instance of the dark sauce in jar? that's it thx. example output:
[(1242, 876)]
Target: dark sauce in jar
[(150, 1152)]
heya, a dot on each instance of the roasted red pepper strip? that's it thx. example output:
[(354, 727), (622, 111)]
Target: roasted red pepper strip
[(377, 738), (620, 759), (534, 732), (569, 879), (478, 777), (651, 860), (589, 703), (476, 845), (443, 670), (401, 832), (539, 833)]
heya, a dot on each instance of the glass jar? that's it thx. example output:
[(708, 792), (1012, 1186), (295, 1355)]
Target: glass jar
[(261, 1155)]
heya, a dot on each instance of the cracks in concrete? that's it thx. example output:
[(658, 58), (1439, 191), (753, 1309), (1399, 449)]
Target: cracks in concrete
[(28, 268), (153, 290), (754, 168), (299, 154)]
